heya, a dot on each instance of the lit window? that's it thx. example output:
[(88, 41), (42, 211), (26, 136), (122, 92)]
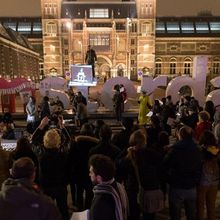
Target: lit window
[(24, 27), (98, 13), (173, 27), (146, 28), (100, 41), (160, 27), (202, 27), (215, 27), (216, 66), (187, 27), (173, 66), (187, 66), (51, 29), (158, 67), (37, 27), (11, 25)]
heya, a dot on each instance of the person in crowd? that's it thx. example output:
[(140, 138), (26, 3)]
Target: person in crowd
[(53, 163), (217, 133), (110, 199), (20, 198), (24, 149), (163, 143), (56, 121), (121, 139), (182, 165), (81, 113), (98, 124), (153, 130), (81, 98), (105, 147), (31, 110), (147, 163), (53, 175), (164, 116), (144, 107), (123, 92), (91, 58), (118, 102), (157, 108), (7, 126), (4, 165), (171, 106), (79, 157), (191, 118), (209, 179), (57, 105), (45, 108), (203, 124), (210, 108)]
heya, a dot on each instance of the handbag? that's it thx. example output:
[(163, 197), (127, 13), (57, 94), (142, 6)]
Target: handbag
[(150, 201)]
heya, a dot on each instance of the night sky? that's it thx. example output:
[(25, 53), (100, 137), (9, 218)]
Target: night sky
[(164, 7)]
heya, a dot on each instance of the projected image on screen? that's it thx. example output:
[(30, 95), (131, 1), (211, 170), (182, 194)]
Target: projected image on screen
[(81, 75)]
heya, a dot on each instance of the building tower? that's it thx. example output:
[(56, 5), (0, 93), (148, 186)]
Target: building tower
[(51, 30), (122, 32), (146, 16)]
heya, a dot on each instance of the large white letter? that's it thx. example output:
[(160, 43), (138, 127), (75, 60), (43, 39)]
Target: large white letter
[(214, 96), (197, 82)]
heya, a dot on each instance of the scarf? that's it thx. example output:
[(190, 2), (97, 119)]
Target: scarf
[(120, 198)]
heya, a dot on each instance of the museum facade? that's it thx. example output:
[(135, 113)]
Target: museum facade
[(127, 36)]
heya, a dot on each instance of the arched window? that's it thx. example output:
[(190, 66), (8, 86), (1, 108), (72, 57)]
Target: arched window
[(188, 66), (173, 66), (216, 66), (158, 66), (51, 29)]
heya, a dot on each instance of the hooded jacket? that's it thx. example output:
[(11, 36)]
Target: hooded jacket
[(20, 200)]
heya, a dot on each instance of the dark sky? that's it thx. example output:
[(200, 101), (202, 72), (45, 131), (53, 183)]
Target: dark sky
[(164, 7)]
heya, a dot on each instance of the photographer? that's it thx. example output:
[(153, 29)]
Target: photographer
[(50, 141), (56, 122)]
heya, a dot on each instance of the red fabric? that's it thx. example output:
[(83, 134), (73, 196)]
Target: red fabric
[(201, 127), (13, 86)]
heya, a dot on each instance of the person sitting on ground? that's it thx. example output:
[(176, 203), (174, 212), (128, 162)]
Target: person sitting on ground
[(20, 198)]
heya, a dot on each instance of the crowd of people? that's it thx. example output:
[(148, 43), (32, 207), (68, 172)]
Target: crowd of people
[(117, 176)]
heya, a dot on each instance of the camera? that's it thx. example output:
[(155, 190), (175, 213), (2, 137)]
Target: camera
[(53, 120)]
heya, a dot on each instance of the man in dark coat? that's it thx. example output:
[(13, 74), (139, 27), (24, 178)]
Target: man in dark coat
[(182, 164), (110, 199), (91, 58), (105, 147), (20, 197)]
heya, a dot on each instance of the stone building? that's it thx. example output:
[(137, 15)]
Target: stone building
[(17, 56), (127, 35)]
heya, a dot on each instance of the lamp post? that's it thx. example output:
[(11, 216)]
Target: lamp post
[(128, 47)]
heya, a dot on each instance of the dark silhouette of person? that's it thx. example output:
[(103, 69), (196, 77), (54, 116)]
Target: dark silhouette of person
[(91, 58)]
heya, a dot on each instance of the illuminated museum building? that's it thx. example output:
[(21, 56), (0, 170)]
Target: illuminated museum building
[(17, 56), (126, 35)]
